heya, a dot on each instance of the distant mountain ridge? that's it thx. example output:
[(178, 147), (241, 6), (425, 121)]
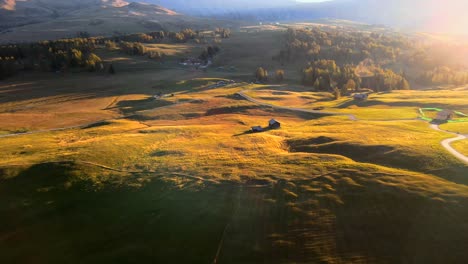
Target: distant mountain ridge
[(31, 20), (97, 16), (8, 4), (434, 15)]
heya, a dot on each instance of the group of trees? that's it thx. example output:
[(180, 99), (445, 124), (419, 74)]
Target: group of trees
[(333, 54), (59, 55), (182, 36), (157, 37), (444, 75), (345, 47), (389, 51), (223, 32), (132, 48), (63, 54), (261, 75), (208, 53), (386, 81), (326, 75), (136, 49)]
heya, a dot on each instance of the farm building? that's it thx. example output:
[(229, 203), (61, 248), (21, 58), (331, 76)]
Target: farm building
[(273, 124), (445, 115)]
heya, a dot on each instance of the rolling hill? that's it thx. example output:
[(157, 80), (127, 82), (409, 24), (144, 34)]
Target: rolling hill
[(33, 20)]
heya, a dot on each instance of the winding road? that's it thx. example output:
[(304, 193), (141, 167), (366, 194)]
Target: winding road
[(447, 143)]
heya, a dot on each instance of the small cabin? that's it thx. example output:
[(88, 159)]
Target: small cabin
[(257, 129), (361, 96), (445, 115), (273, 124)]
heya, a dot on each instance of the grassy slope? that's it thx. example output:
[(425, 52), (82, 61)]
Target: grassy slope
[(461, 146), (456, 127), (354, 217), (188, 176), (314, 205), (384, 106)]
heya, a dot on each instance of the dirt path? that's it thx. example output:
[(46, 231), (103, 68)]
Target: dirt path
[(447, 143)]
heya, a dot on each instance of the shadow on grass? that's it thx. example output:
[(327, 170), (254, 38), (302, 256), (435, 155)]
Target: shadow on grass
[(98, 124), (250, 132), (132, 106), (285, 221), (394, 104), (230, 109)]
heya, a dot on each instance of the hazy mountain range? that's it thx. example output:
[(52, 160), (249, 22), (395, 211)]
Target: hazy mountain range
[(23, 19), (428, 15)]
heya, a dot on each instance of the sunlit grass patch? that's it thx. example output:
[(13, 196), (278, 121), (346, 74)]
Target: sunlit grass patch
[(461, 146), (461, 127)]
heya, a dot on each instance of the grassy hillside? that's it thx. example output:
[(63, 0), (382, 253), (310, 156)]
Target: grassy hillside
[(109, 173), (456, 127), (39, 21), (316, 195), (461, 146)]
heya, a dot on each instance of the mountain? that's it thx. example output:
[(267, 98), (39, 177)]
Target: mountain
[(38, 19), (415, 14), (219, 7), (23, 12), (31, 20), (436, 15), (8, 4), (195, 6)]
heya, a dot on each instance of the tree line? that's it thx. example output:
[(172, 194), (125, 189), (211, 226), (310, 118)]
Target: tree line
[(59, 55), (326, 75), (64, 54), (345, 47), (389, 51), (182, 36)]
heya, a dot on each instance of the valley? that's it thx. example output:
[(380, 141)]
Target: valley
[(141, 147)]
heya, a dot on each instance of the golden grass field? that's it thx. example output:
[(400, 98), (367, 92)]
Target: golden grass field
[(149, 177), (461, 128), (396, 105), (461, 146)]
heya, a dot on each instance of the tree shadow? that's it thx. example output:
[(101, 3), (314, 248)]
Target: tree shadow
[(251, 132), (132, 106)]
